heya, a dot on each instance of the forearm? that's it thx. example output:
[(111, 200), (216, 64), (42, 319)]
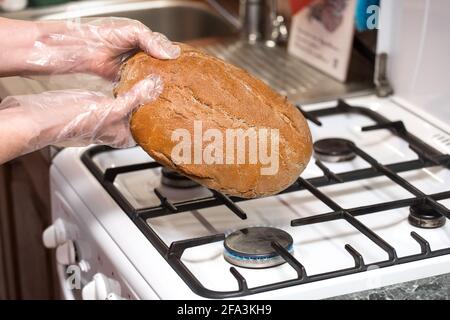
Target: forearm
[(16, 133), (71, 118), (56, 47), (21, 45), (27, 125)]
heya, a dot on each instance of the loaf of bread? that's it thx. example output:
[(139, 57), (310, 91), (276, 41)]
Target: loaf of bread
[(206, 106)]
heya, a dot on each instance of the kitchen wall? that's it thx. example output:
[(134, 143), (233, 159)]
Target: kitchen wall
[(415, 34)]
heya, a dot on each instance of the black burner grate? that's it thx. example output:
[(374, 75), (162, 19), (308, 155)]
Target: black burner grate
[(427, 157)]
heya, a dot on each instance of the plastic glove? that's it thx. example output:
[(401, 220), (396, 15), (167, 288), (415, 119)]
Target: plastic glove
[(76, 117), (97, 47)]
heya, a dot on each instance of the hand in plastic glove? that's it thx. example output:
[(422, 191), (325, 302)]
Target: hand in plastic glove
[(57, 47), (73, 117)]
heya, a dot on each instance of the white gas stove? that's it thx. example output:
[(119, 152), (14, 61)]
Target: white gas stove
[(370, 210), (116, 223)]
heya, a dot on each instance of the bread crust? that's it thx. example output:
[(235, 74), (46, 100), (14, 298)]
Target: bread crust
[(200, 87)]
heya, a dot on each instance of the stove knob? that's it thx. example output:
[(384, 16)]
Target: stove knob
[(56, 234), (66, 253), (101, 288)]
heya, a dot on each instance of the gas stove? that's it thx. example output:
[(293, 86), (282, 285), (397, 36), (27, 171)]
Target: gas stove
[(369, 211)]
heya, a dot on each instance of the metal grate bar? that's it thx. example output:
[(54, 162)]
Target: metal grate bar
[(343, 107), (424, 245), (359, 261), (196, 204), (372, 236), (177, 248), (328, 173), (166, 203), (320, 195), (207, 202), (111, 173), (289, 258), (387, 172), (310, 116), (350, 219), (242, 283), (438, 207), (363, 210), (398, 126), (230, 204), (423, 155)]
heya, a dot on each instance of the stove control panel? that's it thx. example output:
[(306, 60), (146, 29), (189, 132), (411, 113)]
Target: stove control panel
[(86, 269)]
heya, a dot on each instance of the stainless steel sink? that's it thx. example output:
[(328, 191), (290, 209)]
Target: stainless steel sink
[(177, 19)]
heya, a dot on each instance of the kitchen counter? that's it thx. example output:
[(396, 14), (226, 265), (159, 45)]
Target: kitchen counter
[(433, 288)]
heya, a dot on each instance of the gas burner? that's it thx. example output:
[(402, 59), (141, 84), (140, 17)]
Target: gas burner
[(252, 247), (333, 150), (422, 215), (173, 179)]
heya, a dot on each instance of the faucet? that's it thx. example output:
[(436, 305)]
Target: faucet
[(258, 21)]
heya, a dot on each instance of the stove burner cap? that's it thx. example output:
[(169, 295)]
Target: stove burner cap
[(173, 179), (424, 216), (252, 247), (333, 150)]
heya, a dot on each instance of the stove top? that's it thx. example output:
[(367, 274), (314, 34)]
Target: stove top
[(375, 196)]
